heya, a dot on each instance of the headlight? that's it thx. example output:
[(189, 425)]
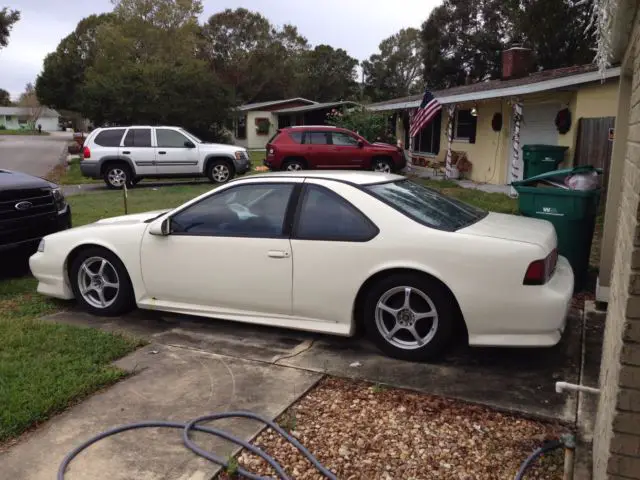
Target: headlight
[(41, 246), (58, 198), (241, 155)]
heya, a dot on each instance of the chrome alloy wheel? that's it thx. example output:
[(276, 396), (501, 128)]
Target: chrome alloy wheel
[(220, 173), (383, 167), (117, 177), (98, 282), (294, 167), (406, 317)]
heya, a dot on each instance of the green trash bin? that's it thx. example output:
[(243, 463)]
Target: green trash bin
[(539, 159), (572, 213)]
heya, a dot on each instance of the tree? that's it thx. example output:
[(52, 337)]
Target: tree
[(5, 98), (372, 126), (396, 70), (60, 83), (29, 100), (463, 40), (7, 19), (255, 59), (327, 74)]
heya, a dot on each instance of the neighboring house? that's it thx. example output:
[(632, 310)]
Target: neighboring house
[(540, 96), (255, 123), (616, 446), (16, 118)]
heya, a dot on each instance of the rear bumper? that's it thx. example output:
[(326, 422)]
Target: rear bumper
[(535, 318), (90, 169)]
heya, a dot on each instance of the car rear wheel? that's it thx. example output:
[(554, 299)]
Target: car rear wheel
[(117, 175), (293, 165), (219, 171), (382, 165), (409, 316), (101, 283)]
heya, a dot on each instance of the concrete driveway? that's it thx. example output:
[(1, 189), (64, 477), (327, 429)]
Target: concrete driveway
[(32, 154)]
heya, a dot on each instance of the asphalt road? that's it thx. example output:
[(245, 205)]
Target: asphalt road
[(32, 154)]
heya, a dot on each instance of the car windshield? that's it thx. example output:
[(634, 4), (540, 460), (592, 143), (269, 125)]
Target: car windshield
[(190, 135), (427, 206)]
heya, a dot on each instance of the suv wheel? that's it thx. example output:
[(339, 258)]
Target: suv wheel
[(409, 316), (382, 165), (219, 171), (117, 175), (100, 282), (293, 165)]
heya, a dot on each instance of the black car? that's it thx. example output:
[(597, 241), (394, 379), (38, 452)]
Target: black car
[(30, 208)]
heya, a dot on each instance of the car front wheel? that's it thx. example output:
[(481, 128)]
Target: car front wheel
[(409, 317), (219, 171), (101, 283), (382, 165)]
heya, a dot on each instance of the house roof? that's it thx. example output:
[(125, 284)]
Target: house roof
[(257, 106), (536, 82), (316, 106), (46, 112)]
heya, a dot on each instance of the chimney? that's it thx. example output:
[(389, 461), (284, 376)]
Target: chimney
[(517, 62)]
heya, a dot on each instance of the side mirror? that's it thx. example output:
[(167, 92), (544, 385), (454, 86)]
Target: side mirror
[(360, 144), (189, 144), (161, 229)]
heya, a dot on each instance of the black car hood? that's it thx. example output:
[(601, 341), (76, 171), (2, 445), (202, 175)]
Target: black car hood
[(10, 180)]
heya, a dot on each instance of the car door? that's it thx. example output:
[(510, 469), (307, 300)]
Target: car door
[(137, 146), (175, 153), (317, 149), (228, 253), (334, 248), (346, 152)]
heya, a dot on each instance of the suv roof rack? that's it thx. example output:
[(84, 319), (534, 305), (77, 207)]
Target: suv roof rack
[(312, 126)]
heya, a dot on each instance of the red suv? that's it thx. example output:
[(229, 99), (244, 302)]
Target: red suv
[(298, 148)]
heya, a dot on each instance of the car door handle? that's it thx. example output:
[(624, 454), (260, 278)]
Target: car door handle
[(126, 152), (162, 153), (278, 254)]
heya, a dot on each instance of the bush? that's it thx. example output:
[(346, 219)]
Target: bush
[(2, 127), (372, 126)]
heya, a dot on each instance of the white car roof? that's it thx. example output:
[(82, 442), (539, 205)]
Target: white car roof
[(350, 176)]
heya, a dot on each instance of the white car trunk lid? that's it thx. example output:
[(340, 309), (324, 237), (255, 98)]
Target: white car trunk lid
[(515, 228)]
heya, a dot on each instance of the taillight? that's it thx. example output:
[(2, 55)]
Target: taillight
[(539, 271), (86, 153), (271, 150)]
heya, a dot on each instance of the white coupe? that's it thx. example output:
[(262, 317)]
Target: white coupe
[(328, 252)]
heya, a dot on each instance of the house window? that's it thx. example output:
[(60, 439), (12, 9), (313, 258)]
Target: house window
[(428, 140), (241, 128), (464, 126)]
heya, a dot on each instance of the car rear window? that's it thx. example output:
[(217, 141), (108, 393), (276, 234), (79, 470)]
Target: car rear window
[(109, 138), (426, 206)]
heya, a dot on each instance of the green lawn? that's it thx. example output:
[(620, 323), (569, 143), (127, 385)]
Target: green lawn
[(22, 132)]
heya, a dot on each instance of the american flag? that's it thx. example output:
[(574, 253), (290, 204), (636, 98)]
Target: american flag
[(429, 108)]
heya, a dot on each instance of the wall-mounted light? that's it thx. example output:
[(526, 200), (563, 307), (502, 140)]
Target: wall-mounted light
[(474, 112)]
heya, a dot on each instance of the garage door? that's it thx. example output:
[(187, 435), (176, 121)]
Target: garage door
[(49, 124), (537, 127)]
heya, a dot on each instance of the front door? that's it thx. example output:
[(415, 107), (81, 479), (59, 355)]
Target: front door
[(173, 157), (346, 152), (137, 146), (229, 253)]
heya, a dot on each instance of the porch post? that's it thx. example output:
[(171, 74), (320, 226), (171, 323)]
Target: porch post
[(516, 161), (411, 143), (451, 110)]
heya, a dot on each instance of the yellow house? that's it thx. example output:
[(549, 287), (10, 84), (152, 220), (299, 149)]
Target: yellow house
[(483, 124)]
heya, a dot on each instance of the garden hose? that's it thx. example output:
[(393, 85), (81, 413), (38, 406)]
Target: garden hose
[(548, 447), (193, 426)]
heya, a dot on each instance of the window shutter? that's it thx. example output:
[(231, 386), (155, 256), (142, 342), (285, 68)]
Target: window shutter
[(474, 124)]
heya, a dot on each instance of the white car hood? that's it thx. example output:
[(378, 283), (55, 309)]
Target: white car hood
[(131, 219), (515, 228), (219, 147)]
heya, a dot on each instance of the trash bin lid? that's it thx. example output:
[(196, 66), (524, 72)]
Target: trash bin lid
[(535, 147), (562, 173)]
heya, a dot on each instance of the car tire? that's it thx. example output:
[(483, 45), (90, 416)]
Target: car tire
[(294, 165), (383, 165), (96, 270), (394, 324), (219, 171), (116, 175)]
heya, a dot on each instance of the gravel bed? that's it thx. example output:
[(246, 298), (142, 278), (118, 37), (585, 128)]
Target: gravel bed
[(364, 431)]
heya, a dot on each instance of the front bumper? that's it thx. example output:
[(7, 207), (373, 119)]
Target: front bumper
[(61, 222), (242, 166), (90, 169)]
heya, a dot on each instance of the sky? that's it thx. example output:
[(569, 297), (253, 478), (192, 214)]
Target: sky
[(357, 26)]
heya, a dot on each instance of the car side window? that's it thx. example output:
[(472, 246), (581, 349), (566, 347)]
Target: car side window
[(138, 137), (317, 138), (296, 136), (324, 215), (109, 138), (168, 138), (256, 210), (344, 140)]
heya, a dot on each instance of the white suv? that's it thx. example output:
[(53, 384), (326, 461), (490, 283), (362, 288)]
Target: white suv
[(126, 155)]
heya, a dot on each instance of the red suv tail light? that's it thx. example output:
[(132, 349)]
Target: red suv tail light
[(539, 271), (86, 152), (270, 150)]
